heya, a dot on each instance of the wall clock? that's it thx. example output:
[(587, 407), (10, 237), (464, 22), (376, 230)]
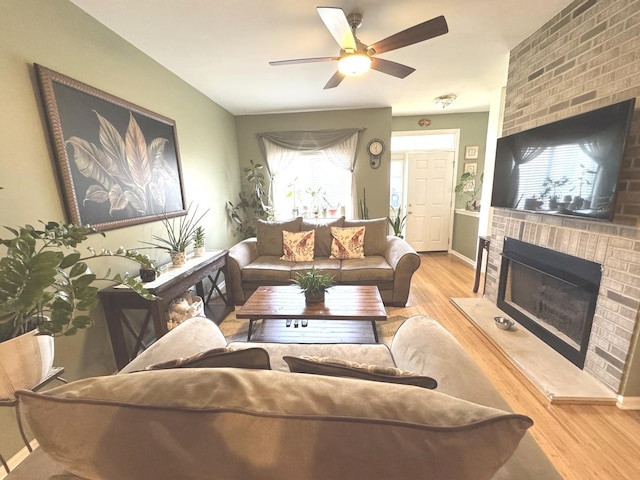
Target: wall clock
[(375, 149)]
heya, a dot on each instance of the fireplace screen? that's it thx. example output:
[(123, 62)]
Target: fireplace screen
[(551, 294)]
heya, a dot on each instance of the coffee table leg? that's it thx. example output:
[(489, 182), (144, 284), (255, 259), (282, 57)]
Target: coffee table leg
[(375, 331), (250, 329)]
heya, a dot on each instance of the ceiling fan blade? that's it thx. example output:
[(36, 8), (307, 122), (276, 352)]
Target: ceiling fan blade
[(303, 60), (334, 81), (391, 68), (336, 22), (418, 33)]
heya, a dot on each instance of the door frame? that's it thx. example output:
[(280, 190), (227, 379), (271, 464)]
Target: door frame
[(456, 150)]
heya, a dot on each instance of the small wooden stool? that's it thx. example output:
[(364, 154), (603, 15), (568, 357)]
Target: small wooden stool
[(483, 244)]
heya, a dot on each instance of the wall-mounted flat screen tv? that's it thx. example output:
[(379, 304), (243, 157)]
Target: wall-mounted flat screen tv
[(568, 167)]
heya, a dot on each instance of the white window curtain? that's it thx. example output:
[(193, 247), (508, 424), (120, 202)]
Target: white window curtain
[(340, 147)]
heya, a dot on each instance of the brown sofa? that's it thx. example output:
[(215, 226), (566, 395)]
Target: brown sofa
[(238, 423), (389, 261)]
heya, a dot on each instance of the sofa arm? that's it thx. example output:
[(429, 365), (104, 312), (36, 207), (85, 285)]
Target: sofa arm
[(193, 336), (240, 255), (405, 261)]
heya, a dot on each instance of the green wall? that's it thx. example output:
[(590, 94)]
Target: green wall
[(60, 36), (473, 131), (377, 124)]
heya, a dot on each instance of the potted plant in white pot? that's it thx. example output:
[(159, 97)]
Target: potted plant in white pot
[(198, 242), (180, 234), (46, 291), (314, 284)]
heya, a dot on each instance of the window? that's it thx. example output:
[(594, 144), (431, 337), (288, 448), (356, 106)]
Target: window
[(312, 183)]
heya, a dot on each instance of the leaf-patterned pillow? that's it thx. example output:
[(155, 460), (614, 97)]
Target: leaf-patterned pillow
[(347, 243), (298, 246)]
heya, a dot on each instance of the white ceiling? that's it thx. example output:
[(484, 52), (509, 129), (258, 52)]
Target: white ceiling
[(222, 48)]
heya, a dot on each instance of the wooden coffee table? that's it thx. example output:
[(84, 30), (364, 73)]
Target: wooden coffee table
[(342, 302)]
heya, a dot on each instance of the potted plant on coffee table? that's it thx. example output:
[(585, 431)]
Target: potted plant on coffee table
[(46, 290), (180, 234), (314, 284)]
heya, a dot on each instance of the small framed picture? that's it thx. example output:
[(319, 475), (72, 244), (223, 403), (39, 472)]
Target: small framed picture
[(471, 152), (471, 167)]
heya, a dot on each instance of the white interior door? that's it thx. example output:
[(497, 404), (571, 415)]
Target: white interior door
[(429, 200)]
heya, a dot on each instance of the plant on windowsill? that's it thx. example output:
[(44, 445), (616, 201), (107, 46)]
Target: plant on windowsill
[(398, 221), (180, 233), (551, 189), (314, 284), (45, 288)]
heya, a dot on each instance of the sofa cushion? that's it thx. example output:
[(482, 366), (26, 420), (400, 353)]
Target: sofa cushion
[(298, 246), (267, 269), (256, 358), (323, 264), (323, 234), (369, 269), (375, 237), (336, 367), (269, 235), (347, 242), (241, 423)]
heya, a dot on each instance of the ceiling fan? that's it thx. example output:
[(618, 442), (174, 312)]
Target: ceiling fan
[(357, 58)]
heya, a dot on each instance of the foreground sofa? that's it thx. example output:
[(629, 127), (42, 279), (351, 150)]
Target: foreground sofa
[(237, 423), (389, 262)]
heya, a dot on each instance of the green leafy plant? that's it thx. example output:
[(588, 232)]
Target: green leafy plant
[(470, 185), (364, 210), (313, 281), (398, 221), (550, 188), (252, 206), (38, 279), (180, 231), (198, 237)]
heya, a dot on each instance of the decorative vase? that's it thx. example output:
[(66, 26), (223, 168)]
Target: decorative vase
[(314, 297), (178, 258), (198, 251), (24, 362), (147, 275)]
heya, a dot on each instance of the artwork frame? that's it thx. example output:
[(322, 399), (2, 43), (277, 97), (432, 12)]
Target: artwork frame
[(111, 175), (471, 152), (471, 167)]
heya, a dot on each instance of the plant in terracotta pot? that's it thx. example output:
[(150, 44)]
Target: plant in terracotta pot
[(46, 284), (180, 234), (314, 284)]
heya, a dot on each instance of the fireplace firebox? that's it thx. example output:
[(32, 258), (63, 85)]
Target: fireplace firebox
[(550, 293)]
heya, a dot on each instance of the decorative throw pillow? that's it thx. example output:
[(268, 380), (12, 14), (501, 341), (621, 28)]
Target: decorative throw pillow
[(347, 243), (269, 235), (298, 246), (375, 241), (256, 358), (336, 367)]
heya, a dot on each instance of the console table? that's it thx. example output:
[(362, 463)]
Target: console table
[(171, 283)]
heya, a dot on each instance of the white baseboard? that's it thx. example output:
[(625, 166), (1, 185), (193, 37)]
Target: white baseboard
[(462, 257), (628, 403), (17, 459)]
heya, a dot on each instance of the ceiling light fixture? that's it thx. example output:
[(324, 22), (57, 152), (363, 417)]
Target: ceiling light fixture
[(352, 64), (445, 100)]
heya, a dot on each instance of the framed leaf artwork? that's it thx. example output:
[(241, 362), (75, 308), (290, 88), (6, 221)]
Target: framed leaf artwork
[(118, 163)]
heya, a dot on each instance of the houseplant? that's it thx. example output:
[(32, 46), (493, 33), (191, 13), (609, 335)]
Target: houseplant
[(470, 185), (398, 221), (44, 287), (198, 241), (551, 189), (314, 284), (252, 206), (180, 234)]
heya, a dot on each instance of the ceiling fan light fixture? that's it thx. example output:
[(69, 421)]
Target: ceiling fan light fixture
[(354, 64), (445, 100)]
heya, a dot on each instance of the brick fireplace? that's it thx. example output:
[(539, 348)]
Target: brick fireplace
[(586, 57), (616, 247)]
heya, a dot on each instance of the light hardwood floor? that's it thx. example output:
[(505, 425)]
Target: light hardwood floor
[(583, 441)]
